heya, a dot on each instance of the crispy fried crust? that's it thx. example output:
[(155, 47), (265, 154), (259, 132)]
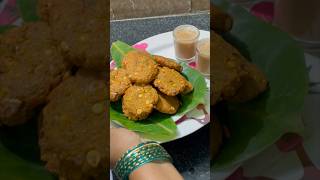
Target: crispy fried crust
[(170, 82), (30, 66), (166, 62), (138, 102), (188, 88), (73, 132), (227, 69), (119, 83), (167, 104), (252, 84), (140, 67), (80, 28), (233, 77)]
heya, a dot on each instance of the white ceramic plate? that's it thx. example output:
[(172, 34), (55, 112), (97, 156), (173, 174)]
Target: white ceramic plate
[(162, 44)]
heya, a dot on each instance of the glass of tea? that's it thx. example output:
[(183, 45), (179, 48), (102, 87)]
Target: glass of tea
[(185, 42), (203, 57)]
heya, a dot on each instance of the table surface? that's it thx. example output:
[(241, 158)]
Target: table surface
[(191, 154)]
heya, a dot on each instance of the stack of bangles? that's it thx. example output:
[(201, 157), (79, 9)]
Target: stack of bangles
[(139, 155)]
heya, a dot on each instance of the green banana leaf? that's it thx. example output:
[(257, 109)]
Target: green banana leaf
[(118, 50), (5, 28), (258, 124), (19, 153), (28, 10), (13, 167), (191, 100), (158, 126)]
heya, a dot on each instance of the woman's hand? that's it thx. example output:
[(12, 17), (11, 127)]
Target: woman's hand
[(120, 141)]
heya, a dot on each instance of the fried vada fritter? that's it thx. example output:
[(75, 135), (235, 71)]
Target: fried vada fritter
[(170, 82), (73, 131), (233, 77), (30, 66), (138, 101), (119, 83), (227, 69), (167, 104), (140, 66), (166, 62), (188, 88), (80, 28), (252, 84)]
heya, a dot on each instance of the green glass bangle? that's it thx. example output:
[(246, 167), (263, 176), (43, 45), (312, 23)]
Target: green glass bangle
[(138, 156)]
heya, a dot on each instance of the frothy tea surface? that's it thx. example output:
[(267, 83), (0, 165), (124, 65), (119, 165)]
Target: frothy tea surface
[(186, 34)]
